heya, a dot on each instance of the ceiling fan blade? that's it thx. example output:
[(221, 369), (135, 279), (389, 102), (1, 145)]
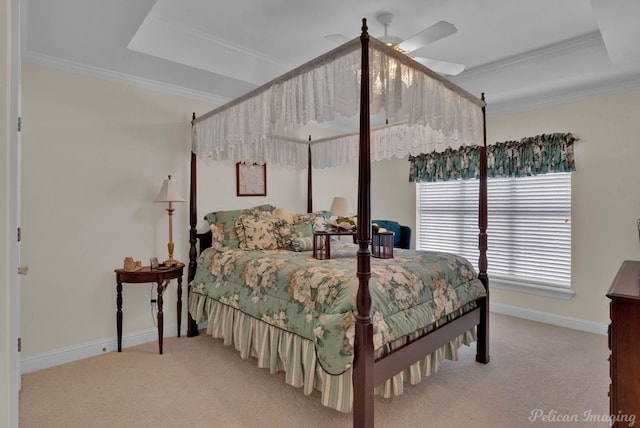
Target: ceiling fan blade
[(437, 31), (337, 38), (442, 67)]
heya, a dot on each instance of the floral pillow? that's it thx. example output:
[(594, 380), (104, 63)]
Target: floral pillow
[(222, 224), (256, 231), (317, 219), (217, 235), (302, 243), (283, 214), (286, 232)]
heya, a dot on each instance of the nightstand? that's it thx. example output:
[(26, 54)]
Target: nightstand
[(148, 275)]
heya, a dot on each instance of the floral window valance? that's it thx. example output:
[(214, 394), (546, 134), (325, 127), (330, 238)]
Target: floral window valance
[(541, 154)]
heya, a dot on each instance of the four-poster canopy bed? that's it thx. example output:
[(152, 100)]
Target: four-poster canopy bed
[(359, 345)]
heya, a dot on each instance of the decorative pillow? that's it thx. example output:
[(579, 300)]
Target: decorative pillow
[(283, 214), (318, 219), (257, 231), (211, 217), (302, 243), (286, 232), (223, 228), (217, 235), (239, 227)]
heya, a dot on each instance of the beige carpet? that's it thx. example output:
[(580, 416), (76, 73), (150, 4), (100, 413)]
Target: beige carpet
[(200, 382)]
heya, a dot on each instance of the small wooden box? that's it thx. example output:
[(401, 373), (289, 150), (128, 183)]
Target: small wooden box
[(382, 245)]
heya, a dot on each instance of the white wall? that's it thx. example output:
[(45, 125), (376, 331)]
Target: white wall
[(394, 197), (605, 195), (94, 157)]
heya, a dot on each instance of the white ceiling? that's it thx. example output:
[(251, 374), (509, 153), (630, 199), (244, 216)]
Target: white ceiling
[(521, 53)]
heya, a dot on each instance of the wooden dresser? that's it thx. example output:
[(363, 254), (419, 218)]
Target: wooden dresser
[(624, 342)]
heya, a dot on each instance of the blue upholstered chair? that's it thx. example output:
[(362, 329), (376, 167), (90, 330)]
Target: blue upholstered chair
[(402, 234)]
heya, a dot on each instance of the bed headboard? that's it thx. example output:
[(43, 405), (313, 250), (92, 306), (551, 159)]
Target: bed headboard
[(204, 240)]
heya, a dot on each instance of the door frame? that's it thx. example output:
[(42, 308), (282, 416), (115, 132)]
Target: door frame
[(14, 214)]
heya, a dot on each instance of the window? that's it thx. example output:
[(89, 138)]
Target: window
[(529, 228)]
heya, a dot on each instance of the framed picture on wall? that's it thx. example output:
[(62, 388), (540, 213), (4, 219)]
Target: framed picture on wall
[(251, 179)]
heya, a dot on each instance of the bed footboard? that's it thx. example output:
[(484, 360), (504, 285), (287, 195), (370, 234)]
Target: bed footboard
[(403, 357)]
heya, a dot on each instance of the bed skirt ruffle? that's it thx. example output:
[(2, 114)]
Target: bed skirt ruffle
[(279, 350)]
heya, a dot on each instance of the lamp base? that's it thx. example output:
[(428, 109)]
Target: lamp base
[(171, 262)]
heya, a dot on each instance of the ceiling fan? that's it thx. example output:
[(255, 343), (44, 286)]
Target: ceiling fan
[(433, 33)]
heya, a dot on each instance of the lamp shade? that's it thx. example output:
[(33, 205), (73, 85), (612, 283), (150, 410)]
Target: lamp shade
[(169, 192), (341, 207)]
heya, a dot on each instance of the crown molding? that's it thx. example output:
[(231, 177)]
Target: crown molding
[(176, 28), (119, 77), (504, 107), (590, 42), (571, 45), (166, 39), (556, 97)]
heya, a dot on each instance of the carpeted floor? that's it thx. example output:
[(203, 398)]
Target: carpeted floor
[(539, 375)]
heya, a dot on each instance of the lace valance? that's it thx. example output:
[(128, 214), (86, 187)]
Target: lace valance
[(426, 112)]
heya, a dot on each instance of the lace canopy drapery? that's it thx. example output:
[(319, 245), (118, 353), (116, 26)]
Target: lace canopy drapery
[(541, 154), (426, 112)]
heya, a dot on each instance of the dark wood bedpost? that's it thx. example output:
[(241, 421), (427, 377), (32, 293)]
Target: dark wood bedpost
[(192, 326), (363, 364), (309, 186), (482, 353)]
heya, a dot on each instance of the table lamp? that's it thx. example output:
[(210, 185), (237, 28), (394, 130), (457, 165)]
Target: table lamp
[(169, 193), (341, 207)]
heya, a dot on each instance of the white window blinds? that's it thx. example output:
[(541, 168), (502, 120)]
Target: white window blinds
[(529, 228)]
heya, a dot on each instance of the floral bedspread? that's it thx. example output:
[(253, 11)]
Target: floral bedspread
[(316, 298)]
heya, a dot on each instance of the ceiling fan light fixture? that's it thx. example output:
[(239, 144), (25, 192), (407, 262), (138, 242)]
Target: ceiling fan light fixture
[(385, 20), (412, 45), (390, 40)]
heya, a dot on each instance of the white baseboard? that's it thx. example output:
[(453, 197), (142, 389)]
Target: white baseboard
[(94, 348), (549, 318), (101, 346)]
